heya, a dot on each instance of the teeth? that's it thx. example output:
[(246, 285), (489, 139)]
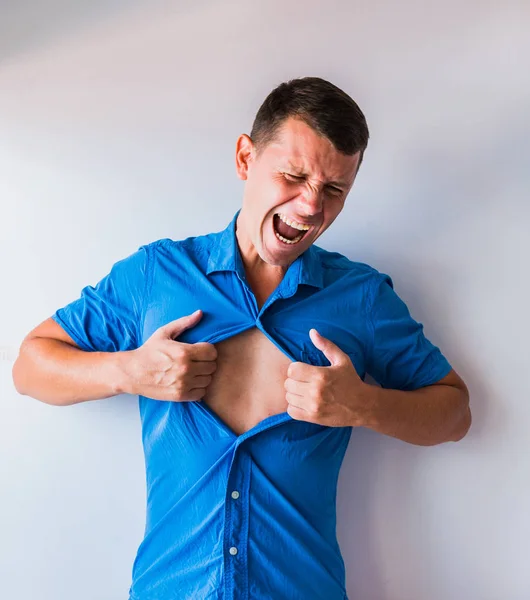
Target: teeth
[(294, 224), (295, 241)]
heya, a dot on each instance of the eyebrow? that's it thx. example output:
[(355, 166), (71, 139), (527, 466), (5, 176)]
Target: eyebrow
[(300, 172)]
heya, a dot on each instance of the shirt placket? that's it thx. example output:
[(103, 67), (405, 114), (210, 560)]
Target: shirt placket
[(237, 512), (237, 493), (237, 506)]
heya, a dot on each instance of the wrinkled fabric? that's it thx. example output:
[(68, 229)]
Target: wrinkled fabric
[(251, 516)]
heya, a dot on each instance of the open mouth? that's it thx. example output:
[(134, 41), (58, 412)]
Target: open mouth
[(288, 231)]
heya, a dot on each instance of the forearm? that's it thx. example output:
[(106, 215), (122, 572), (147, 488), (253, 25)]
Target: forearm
[(57, 373), (426, 416)]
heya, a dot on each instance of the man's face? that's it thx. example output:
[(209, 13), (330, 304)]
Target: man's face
[(302, 177)]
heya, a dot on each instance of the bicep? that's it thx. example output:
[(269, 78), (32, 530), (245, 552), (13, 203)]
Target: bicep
[(453, 379), (52, 330)]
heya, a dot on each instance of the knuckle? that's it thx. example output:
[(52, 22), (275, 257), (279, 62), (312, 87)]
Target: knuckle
[(314, 394), (185, 367), (320, 378), (179, 353), (316, 410)]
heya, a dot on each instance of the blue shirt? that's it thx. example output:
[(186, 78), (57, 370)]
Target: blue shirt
[(251, 516)]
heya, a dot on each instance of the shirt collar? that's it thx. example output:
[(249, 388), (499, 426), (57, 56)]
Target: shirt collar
[(225, 256)]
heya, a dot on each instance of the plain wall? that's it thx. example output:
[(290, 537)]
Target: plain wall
[(118, 124)]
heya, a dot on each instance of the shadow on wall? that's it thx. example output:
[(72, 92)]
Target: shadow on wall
[(368, 538), (358, 536), (26, 26)]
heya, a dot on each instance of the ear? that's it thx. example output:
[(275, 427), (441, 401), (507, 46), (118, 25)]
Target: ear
[(244, 155)]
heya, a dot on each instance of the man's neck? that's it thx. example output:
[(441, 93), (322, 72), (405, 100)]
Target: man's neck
[(263, 282)]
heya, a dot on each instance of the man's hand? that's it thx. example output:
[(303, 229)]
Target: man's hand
[(164, 369), (334, 396)]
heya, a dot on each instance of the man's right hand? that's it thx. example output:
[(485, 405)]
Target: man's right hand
[(164, 369)]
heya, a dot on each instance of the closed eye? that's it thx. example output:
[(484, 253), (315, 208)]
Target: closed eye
[(335, 190), (297, 178)]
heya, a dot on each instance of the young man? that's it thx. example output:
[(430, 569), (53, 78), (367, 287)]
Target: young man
[(247, 406)]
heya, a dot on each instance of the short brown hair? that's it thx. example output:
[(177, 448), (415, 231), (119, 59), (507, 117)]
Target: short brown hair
[(321, 105)]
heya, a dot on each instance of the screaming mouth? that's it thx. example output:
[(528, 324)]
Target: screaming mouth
[(288, 231)]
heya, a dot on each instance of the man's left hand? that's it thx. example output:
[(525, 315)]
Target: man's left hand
[(334, 396)]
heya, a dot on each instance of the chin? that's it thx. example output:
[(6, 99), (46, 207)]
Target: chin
[(277, 259)]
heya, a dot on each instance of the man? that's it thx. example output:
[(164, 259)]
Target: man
[(248, 349)]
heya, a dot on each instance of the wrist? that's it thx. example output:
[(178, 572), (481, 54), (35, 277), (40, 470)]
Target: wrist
[(371, 394), (122, 382)]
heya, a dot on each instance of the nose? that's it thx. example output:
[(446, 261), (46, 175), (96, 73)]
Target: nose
[(311, 201)]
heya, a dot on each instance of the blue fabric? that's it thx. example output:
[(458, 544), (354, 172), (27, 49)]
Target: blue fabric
[(285, 470)]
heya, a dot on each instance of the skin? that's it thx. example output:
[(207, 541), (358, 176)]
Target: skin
[(293, 175), (51, 368), (271, 187)]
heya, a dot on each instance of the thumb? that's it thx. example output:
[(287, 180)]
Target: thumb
[(174, 328), (331, 351)]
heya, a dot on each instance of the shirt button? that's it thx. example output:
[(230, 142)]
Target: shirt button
[(233, 550), (235, 495)]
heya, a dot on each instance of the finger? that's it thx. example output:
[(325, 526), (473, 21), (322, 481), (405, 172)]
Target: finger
[(296, 412), (302, 372), (174, 328), (180, 351), (297, 388), (195, 394), (201, 381), (202, 351), (202, 367), (296, 401)]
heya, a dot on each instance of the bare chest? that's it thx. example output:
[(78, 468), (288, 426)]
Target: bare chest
[(248, 385)]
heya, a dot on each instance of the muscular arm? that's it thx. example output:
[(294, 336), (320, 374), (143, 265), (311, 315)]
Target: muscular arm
[(427, 416), (52, 368)]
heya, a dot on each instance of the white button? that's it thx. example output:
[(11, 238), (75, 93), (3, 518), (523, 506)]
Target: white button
[(235, 495), (233, 551)]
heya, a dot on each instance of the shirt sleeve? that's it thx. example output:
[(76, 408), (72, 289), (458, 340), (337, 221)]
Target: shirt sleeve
[(399, 355), (107, 317)]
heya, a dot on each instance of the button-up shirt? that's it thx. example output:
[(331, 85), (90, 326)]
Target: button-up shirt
[(250, 516)]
